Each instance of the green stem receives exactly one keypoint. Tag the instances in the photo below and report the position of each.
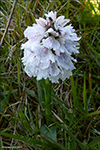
(47, 85)
(41, 96)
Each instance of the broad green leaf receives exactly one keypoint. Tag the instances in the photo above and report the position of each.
(50, 132)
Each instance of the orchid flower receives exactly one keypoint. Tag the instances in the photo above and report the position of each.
(48, 51)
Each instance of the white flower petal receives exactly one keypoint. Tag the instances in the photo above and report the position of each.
(60, 21)
(52, 15)
(42, 22)
(48, 42)
(55, 44)
(47, 53)
(53, 70)
(36, 32)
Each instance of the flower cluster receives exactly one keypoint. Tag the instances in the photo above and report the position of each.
(47, 53)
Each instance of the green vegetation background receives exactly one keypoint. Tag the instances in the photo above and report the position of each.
(76, 101)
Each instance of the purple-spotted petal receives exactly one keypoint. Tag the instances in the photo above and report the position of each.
(48, 42)
(47, 53)
(52, 15)
(42, 22)
(60, 21)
